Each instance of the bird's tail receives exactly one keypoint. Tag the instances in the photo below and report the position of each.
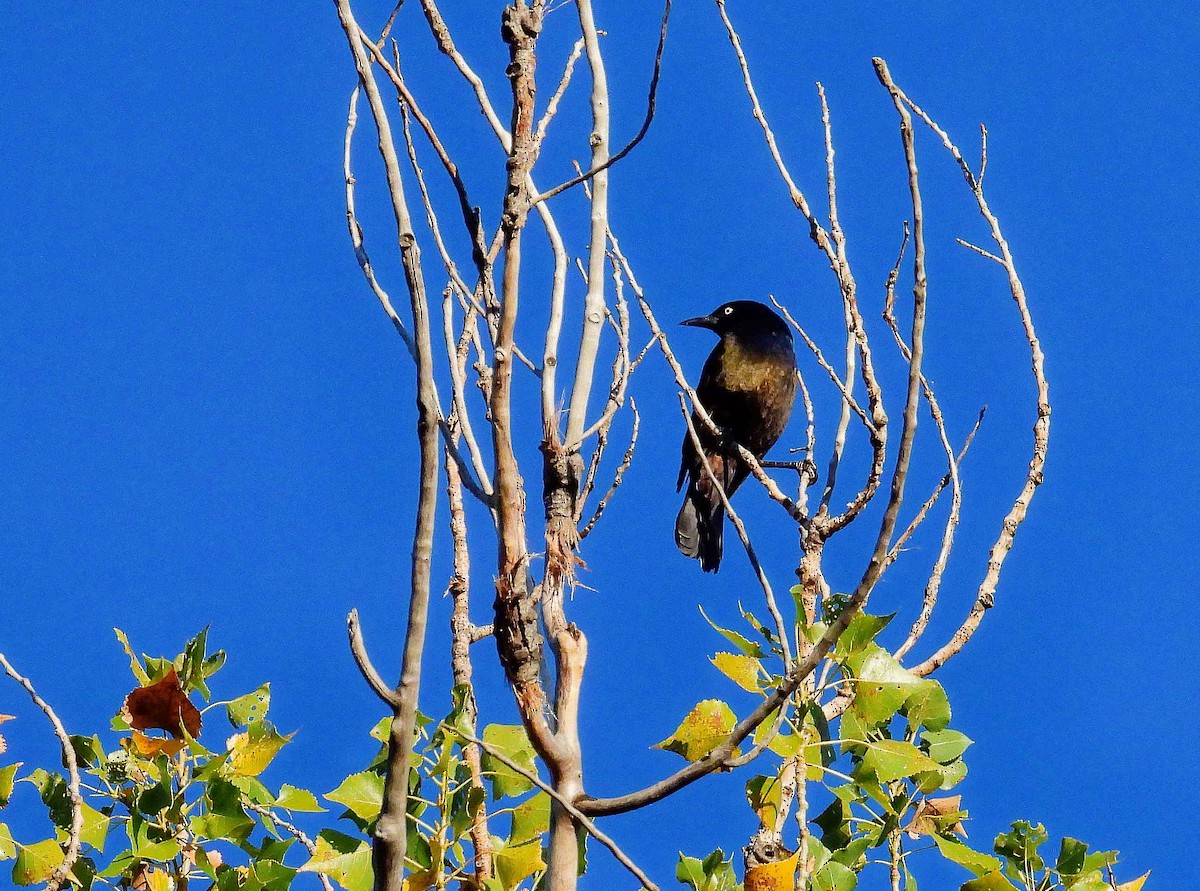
(699, 530)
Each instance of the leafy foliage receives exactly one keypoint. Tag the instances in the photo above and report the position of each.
(162, 810)
(881, 768)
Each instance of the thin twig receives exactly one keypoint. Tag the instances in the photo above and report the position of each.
(600, 167)
(985, 596)
(592, 829)
(664, 346)
(564, 82)
(768, 592)
(618, 475)
(358, 648)
(61, 872)
(299, 834)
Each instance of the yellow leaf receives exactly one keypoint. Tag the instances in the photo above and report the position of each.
(742, 670)
(779, 876)
(515, 863)
(252, 751)
(1135, 885)
(705, 727)
(152, 747)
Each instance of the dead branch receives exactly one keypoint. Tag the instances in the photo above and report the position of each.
(391, 837)
(566, 804)
(62, 872)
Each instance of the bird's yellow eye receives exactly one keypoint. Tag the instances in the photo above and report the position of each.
(729, 310)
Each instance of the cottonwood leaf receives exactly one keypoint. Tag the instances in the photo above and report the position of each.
(252, 751)
(966, 857)
(705, 727)
(1135, 885)
(945, 746)
(515, 863)
(163, 706)
(893, 759)
(36, 862)
(778, 876)
(530, 819)
(362, 793)
(741, 669)
(511, 741)
(345, 860)
(250, 708)
(292, 799)
(992, 881)
(833, 876)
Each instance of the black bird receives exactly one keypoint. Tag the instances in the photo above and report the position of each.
(747, 386)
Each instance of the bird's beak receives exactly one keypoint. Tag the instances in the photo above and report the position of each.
(701, 322)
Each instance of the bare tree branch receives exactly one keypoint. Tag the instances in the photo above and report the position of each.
(62, 872)
(985, 597)
(763, 581)
(651, 105)
(296, 832)
(391, 837)
(592, 829)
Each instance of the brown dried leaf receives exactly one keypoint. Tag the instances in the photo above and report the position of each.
(3, 743)
(163, 706)
(925, 820)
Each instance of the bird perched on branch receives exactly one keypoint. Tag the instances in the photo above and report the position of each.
(747, 387)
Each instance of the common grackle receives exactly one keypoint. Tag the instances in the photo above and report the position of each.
(747, 386)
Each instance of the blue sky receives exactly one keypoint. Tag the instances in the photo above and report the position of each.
(205, 417)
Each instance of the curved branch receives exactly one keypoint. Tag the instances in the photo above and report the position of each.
(651, 105)
(63, 871)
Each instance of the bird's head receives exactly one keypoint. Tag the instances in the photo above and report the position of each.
(742, 317)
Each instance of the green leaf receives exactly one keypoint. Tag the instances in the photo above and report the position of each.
(8, 777)
(713, 873)
(530, 819)
(511, 741)
(292, 799)
(861, 632)
(882, 685)
(250, 708)
(191, 667)
(95, 827)
(89, 751)
(250, 752)
(770, 636)
(8, 847)
(967, 858)
(893, 759)
(953, 774)
(834, 823)
(945, 746)
(741, 669)
(993, 881)
(135, 664)
(833, 876)
(1019, 846)
(1099, 860)
(765, 795)
(35, 863)
(345, 860)
(515, 863)
(928, 707)
(1071, 854)
(743, 644)
(705, 727)
(362, 793)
